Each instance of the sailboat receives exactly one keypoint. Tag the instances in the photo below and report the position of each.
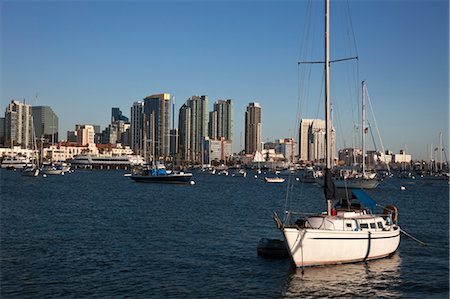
(33, 169)
(155, 172)
(441, 173)
(347, 232)
(360, 180)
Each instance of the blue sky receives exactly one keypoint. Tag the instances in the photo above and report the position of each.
(84, 57)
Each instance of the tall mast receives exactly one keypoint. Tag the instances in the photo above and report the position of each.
(173, 133)
(363, 129)
(440, 151)
(144, 129)
(328, 186)
(327, 85)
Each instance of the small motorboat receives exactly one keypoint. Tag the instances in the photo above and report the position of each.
(274, 180)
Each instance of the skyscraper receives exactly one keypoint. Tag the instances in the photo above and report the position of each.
(137, 124)
(85, 134)
(45, 123)
(253, 128)
(18, 124)
(221, 120)
(312, 140)
(184, 131)
(193, 127)
(157, 125)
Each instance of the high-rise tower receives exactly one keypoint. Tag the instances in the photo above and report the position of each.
(136, 128)
(18, 124)
(312, 140)
(45, 123)
(193, 127)
(253, 128)
(157, 125)
(221, 120)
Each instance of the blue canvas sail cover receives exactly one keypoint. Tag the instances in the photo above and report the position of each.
(364, 198)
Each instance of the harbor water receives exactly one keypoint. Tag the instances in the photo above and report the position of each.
(98, 234)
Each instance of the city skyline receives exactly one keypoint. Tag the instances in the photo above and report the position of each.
(245, 51)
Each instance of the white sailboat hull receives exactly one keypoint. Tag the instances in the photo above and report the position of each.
(51, 171)
(314, 247)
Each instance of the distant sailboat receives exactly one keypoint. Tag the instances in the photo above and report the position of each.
(441, 173)
(361, 180)
(33, 169)
(258, 159)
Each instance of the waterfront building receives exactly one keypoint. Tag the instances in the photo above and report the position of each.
(173, 143)
(85, 134)
(156, 126)
(64, 151)
(312, 141)
(349, 156)
(184, 131)
(46, 123)
(136, 127)
(193, 128)
(221, 120)
(271, 155)
(286, 147)
(376, 159)
(2, 130)
(218, 151)
(385, 158)
(116, 132)
(212, 125)
(402, 157)
(71, 136)
(18, 124)
(253, 128)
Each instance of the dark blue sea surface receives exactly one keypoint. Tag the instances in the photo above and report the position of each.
(98, 234)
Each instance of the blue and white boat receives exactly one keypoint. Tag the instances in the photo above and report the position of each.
(158, 174)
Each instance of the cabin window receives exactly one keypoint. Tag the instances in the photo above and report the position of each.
(372, 225)
(349, 225)
(364, 225)
(380, 225)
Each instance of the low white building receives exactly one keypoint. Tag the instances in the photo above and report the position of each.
(216, 150)
(286, 147)
(66, 151)
(402, 157)
(15, 151)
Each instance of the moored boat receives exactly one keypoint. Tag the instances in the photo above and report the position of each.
(105, 162)
(348, 231)
(51, 169)
(31, 171)
(356, 183)
(274, 180)
(158, 174)
(16, 162)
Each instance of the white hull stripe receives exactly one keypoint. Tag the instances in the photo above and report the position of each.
(364, 238)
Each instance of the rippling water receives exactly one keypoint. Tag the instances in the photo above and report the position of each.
(99, 234)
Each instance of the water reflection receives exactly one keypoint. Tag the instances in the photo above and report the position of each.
(378, 278)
